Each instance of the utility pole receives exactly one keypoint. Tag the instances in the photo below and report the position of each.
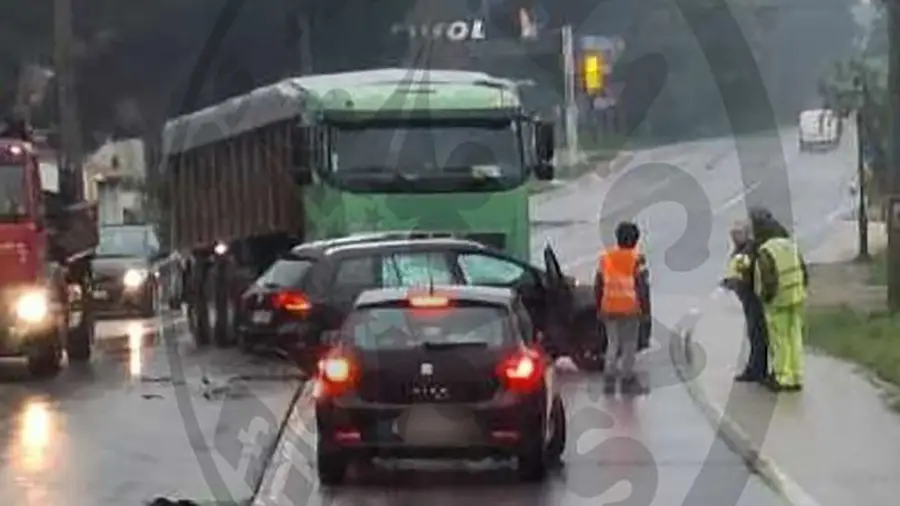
(570, 108)
(70, 131)
(862, 90)
(893, 225)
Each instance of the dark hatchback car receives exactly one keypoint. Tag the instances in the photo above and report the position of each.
(310, 290)
(131, 272)
(439, 372)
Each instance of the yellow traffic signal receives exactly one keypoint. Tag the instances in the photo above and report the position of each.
(594, 72)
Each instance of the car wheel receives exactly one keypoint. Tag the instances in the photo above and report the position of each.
(589, 345)
(532, 460)
(558, 438)
(44, 360)
(331, 467)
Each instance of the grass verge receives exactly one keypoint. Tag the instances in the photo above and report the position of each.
(870, 339)
(878, 274)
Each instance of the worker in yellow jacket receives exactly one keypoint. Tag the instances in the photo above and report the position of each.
(781, 280)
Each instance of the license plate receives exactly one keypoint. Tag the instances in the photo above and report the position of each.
(262, 317)
(428, 426)
(101, 294)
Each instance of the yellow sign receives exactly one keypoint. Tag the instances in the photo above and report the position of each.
(594, 72)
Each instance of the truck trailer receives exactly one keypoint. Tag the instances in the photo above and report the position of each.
(329, 155)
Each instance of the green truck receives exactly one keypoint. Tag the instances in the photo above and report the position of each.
(330, 155)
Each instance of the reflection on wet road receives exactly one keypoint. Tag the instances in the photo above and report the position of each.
(132, 424)
(152, 415)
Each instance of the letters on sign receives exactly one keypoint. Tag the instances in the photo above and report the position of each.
(454, 31)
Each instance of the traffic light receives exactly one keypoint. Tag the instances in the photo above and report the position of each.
(594, 72)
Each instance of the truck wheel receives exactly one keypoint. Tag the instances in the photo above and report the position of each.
(198, 322)
(44, 359)
(198, 306)
(223, 328)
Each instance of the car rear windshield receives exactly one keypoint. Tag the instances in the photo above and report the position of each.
(384, 328)
(285, 273)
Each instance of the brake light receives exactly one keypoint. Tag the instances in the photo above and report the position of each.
(292, 302)
(336, 376)
(336, 369)
(429, 301)
(522, 372)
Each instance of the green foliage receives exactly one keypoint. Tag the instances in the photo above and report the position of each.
(135, 57)
(869, 339)
(841, 88)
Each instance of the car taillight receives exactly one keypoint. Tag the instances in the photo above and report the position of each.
(336, 375)
(292, 302)
(523, 372)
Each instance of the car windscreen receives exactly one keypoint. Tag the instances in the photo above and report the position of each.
(285, 273)
(399, 327)
(127, 242)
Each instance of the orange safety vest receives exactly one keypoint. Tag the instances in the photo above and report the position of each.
(620, 297)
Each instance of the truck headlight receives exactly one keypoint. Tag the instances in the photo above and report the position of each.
(32, 307)
(134, 278)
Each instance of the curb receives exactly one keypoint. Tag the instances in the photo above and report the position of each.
(617, 163)
(731, 432)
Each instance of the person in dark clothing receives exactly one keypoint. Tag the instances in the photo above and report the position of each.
(739, 279)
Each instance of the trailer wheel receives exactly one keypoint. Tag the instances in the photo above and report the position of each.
(198, 304)
(223, 304)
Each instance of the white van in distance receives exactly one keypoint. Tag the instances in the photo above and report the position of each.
(819, 128)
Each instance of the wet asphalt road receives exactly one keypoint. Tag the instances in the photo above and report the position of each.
(152, 416)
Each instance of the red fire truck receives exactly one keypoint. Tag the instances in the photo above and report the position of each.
(47, 239)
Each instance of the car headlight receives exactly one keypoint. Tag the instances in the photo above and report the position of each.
(134, 278)
(32, 307)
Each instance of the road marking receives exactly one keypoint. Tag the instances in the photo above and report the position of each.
(737, 198)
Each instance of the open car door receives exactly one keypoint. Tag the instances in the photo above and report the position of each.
(559, 304)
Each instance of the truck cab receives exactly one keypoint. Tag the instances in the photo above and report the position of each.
(45, 246)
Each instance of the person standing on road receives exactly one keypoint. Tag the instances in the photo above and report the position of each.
(739, 279)
(622, 289)
(781, 280)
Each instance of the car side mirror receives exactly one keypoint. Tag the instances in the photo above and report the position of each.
(544, 171)
(544, 141)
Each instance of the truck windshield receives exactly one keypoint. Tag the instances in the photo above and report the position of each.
(477, 155)
(12, 193)
(138, 242)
